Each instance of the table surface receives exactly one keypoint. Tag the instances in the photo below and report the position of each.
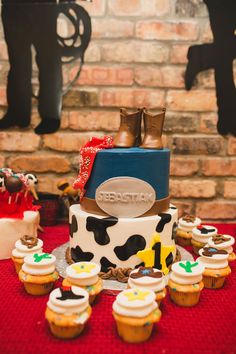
(209, 327)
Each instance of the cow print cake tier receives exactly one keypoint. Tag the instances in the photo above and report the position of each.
(125, 219)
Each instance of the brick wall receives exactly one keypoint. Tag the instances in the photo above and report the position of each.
(137, 57)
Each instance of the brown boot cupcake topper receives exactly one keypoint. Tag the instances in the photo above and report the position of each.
(189, 218)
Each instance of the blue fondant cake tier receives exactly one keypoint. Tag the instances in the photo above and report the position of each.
(151, 166)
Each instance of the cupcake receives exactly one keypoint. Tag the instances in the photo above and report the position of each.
(184, 229)
(135, 311)
(84, 275)
(24, 247)
(38, 273)
(148, 278)
(200, 236)
(67, 311)
(185, 283)
(216, 266)
(223, 242)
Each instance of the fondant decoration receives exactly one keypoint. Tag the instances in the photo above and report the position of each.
(218, 239)
(78, 255)
(73, 226)
(106, 264)
(39, 257)
(39, 29)
(169, 259)
(189, 218)
(125, 197)
(67, 190)
(153, 127)
(87, 156)
(186, 273)
(156, 255)
(136, 295)
(205, 230)
(29, 241)
(99, 228)
(174, 231)
(118, 234)
(188, 266)
(83, 267)
(211, 251)
(129, 133)
(67, 294)
(143, 164)
(146, 272)
(218, 55)
(165, 219)
(135, 303)
(39, 264)
(213, 259)
(131, 247)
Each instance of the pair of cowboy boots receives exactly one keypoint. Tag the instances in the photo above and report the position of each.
(129, 133)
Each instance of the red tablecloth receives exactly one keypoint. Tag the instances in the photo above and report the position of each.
(209, 327)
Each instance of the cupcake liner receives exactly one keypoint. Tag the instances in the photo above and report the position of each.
(38, 289)
(183, 298)
(212, 282)
(65, 332)
(183, 241)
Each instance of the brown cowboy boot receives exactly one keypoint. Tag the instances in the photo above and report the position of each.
(153, 126)
(129, 133)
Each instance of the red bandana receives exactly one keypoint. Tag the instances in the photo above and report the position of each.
(87, 156)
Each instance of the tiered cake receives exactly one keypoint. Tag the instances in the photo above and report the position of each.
(125, 217)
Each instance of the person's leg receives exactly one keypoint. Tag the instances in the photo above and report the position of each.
(223, 23)
(19, 76)
(48, 59)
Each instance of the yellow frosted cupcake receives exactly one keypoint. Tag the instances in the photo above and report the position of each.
(200, 236)
(68, 311)
(85, 275)
(216, 267)
(223, 242)
(135, 311)
(185, 283)
(38, 273)
(24, 247)
(148, 278)
(184, 229)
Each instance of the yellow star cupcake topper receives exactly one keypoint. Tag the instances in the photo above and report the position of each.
(83, 268)
(156, 254)
(136, 295)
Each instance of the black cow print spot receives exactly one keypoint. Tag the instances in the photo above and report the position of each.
(169, 259)
(173, 207)
(73, 226)
(79, 256)
(174, 230)
(165, 219)
(99, 228)
(105, 264)
(134, 244)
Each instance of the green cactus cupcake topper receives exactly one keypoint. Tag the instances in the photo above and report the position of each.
(188, 266)
(39, 257)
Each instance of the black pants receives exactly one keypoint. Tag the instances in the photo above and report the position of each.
(27, 25)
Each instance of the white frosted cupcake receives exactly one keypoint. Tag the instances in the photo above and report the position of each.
(24, 247)
(67, 311)
(38, 273)
(185, 283)
(223, 242)
(184, 229)
(84, 275)
(216, 266)
(148, 278)
(200, 236)
(135, 312)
